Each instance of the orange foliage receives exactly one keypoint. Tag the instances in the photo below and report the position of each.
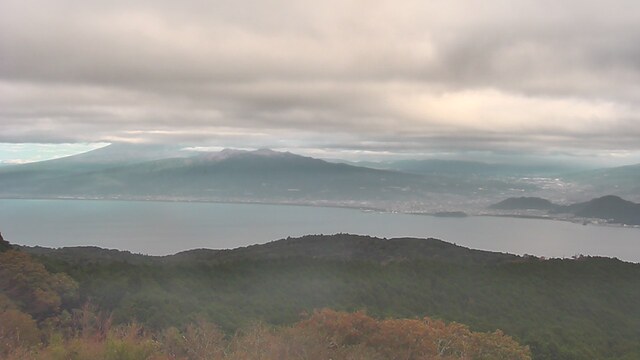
(326, 334)
(30, 286)
(17, 330)
(411, 339)
(341, 327)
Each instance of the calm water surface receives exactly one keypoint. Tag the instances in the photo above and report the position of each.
(167, 227)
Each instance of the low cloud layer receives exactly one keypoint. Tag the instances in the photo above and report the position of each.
(414, 76)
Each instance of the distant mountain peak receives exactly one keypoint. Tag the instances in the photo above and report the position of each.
(610, 199)
(228, 154)
(268, 152)
(232, 151)
(612, 208)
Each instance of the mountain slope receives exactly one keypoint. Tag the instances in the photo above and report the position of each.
(230, 175)
(622, 181)
(33, 178)
(466, 168)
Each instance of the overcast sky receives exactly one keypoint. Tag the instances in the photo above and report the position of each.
(332, 77)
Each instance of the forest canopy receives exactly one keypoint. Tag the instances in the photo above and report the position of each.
(580, 308)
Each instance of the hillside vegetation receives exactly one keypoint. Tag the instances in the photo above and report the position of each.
(583, 308)
(38, 320)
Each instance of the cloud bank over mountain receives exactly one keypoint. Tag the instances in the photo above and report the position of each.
(415, 76)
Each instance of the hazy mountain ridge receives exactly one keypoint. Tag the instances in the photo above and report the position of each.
(256, 174)
(35, 179)
(476, 168)
(610, 208)
(228, 175)
(112, 155)
(232, 172)
(155, 172)
(622, 181)
(469, 168)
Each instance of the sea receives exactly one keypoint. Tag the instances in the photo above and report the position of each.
(162, 228)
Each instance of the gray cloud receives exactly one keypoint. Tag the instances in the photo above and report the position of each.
(354, 75)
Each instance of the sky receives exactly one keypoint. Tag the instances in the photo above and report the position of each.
(343, 78)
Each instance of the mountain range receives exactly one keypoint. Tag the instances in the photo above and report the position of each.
(140, 172)
(467, 168)
(125, 171)
(611, 208)
(158, 172)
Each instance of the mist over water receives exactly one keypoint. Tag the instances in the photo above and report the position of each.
(161, 228)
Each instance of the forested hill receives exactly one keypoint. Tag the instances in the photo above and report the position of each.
(611, 208)
(348, 247)
(524, 203)
(583, 308)
(343, 247)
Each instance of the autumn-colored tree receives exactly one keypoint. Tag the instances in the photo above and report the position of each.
(31, 287)
(17, 330)
(404, 339)
(412, 339)
(497, 346)
(288, 343)
(341, 327)
(203, 340)
(326, 334)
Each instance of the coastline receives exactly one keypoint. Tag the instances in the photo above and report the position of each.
(364, 208)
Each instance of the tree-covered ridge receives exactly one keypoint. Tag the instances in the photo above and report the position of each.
(344, 247)
(40, 320)
(583, 308)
